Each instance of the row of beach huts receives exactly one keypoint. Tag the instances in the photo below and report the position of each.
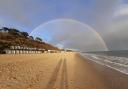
(27, 50)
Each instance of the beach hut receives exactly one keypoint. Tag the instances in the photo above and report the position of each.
(12, 47)
(8, 51)
(13, 51)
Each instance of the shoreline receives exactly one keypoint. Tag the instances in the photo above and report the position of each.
(104, 64)
(57, 70)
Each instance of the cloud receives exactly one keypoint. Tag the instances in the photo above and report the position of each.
(19, 11)
(108, 17)
(116, 37)
(121, 10)
(100, 16)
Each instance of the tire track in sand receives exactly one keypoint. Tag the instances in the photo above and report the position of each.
(53, 78)
(63, 76)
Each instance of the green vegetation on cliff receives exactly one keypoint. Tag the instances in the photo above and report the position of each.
(13, 37)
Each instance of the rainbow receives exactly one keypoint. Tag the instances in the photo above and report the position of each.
(74, 21)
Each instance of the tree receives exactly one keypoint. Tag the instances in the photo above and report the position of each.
(1, 30)
(14, 31)
(38, 39)
(31, 37)
(25, 34)
(5, 29)
(3, 46)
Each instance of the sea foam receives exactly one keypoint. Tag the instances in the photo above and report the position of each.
(117, 63)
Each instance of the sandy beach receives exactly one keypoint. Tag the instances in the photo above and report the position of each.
(57, 71)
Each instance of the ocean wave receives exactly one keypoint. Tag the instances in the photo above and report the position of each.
(117, 63)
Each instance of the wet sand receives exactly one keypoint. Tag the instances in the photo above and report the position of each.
(57, 71)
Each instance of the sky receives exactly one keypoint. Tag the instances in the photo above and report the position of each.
(85, 25)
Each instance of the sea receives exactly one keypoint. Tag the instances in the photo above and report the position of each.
(117, 60)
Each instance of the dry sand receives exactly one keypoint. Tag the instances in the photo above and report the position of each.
(57, 71)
